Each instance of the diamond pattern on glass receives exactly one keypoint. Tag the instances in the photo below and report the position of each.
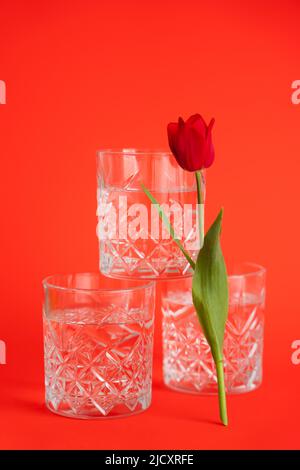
(188, 363)
(147, 256)
(95, 366)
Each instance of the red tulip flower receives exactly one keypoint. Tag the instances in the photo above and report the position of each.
(191, 142)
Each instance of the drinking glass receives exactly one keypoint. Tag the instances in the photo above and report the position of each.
(133, 241)
(98, 337)
(187, 361)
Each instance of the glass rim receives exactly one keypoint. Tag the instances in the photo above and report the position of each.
(144, 285)
(143, 152)
(256, 269)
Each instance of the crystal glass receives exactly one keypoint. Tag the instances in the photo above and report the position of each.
(98, 337)
(133, 241)
(187, 362)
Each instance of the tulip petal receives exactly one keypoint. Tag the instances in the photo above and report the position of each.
(180, 122)
(210, 126)
(194, 118)
(172, 130)
(200, 125)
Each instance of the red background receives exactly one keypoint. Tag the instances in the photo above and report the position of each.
(87, 74)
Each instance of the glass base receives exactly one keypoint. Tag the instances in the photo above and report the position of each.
(90, 411)
(209, 390)
(154, 268)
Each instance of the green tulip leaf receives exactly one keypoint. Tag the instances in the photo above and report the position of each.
(210, 288)
(210, 298)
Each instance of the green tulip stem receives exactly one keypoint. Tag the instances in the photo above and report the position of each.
(222, 392)
(200, 207)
